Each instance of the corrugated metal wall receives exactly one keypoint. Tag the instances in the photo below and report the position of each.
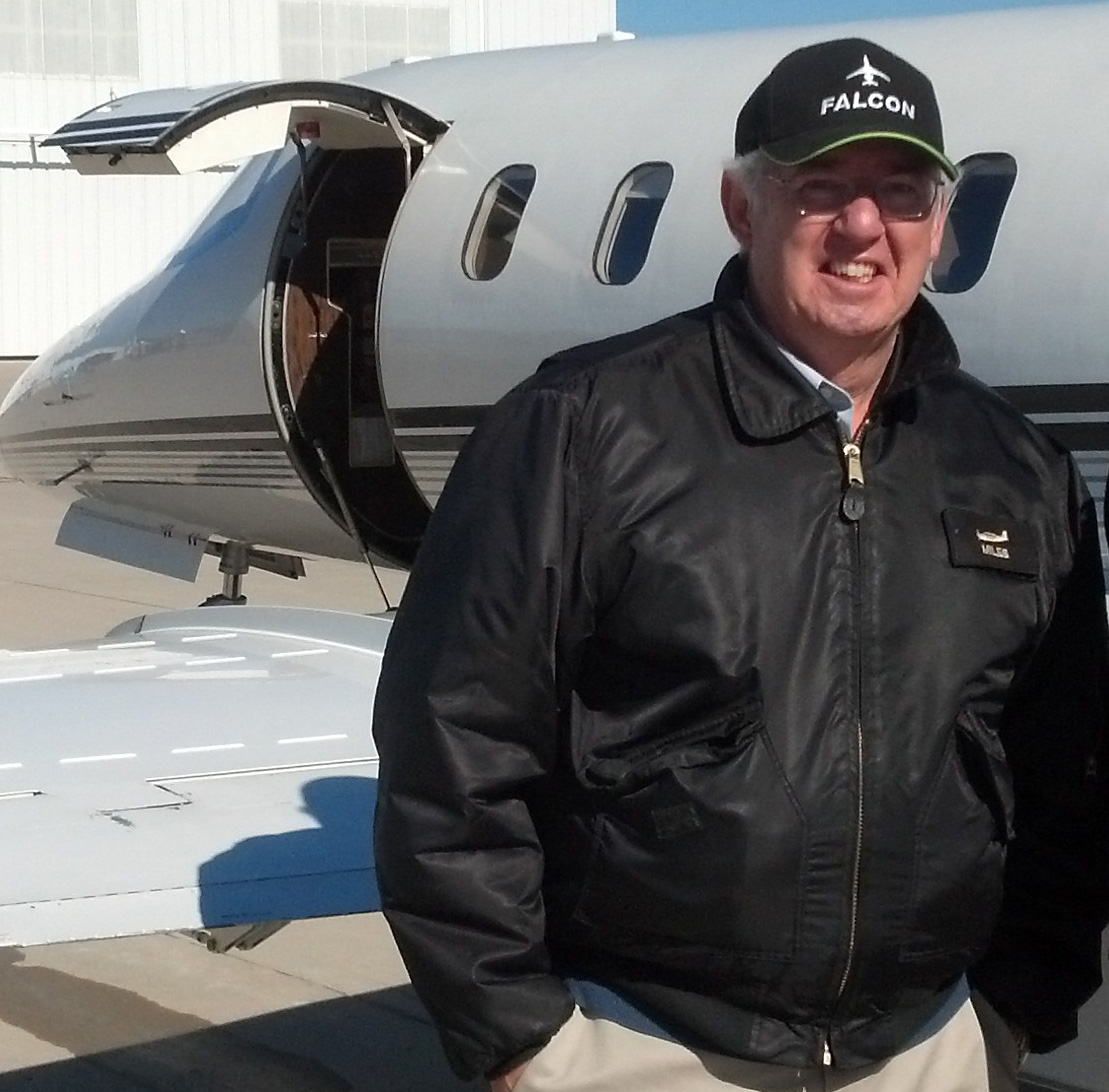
(70, 244)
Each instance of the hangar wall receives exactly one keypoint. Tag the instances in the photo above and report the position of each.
(70, 244)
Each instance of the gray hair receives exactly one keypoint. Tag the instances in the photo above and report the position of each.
(749, 169)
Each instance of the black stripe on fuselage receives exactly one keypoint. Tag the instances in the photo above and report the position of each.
(1061, 399)
(431, 443)
(1058, 397)
(159, 448)
(1079, 435)
(259, 425)
(438, 416)
(1054, 398)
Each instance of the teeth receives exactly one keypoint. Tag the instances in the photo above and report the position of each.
(856, 271)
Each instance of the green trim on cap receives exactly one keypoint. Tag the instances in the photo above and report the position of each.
(949, 168)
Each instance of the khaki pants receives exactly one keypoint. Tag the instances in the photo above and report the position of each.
(973, 1052)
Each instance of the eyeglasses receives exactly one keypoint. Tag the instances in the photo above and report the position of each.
(825, 196)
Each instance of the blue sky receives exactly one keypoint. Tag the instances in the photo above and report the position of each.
(647, 17)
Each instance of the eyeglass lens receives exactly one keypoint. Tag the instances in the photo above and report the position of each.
(898, 196)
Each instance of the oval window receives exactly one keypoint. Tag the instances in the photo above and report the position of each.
(492, 231)
(630, 223)
(981, 194)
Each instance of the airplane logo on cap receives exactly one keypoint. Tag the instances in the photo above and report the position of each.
(868, 72)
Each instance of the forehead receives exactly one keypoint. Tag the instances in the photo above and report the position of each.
(875, 156)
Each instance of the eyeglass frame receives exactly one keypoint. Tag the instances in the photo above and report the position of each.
(857, 189)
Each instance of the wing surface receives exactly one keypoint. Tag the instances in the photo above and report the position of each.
(192, 769)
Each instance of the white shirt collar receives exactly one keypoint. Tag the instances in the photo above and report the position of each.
(834, 395)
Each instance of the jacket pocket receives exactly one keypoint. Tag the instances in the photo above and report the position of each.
(704, 743)
(700, 843)
(959, 857)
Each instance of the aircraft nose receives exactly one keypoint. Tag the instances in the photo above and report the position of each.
(15, 382)
(31, 391)
(14, 388)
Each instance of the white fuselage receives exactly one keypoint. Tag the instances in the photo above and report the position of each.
(178, 398)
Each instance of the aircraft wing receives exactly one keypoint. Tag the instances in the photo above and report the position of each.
(192, 769)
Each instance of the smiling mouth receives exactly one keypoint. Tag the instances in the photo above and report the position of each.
(856, 272)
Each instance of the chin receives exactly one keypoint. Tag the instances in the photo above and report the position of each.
(861, 323)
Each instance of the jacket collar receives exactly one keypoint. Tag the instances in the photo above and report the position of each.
(767, 396)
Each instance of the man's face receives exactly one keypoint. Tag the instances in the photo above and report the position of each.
(829, 285)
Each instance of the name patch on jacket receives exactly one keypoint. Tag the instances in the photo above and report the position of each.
(990, 542)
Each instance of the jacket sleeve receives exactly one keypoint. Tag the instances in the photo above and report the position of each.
(1045, 958)
(465, 720)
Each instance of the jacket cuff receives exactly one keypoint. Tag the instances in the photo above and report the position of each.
(470, 1058)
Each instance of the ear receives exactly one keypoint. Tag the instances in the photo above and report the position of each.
(737, 207)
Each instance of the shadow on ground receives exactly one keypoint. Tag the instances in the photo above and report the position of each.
(367, 1043)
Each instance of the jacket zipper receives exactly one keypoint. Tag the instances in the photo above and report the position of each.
(853, 505)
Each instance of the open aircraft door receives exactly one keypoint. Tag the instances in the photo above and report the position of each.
(191, 129)
(342, 158)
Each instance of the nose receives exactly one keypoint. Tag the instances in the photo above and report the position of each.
(860, 219)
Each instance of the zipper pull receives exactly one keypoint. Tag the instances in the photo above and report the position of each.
(827, 1052)
(853, 504)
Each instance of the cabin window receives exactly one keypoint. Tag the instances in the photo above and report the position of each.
(981, 194)
(629, 225)
(492, 231)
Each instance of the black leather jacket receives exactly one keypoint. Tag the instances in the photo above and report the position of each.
(670, 703)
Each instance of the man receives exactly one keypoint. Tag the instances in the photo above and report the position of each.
(745, 707)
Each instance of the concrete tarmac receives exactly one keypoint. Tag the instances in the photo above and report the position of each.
(322, 1006)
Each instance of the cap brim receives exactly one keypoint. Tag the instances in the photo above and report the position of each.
(792, 153)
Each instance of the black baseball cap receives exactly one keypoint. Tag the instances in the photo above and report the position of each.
(833, 93)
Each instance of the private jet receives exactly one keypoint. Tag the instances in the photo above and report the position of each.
(395, 252)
